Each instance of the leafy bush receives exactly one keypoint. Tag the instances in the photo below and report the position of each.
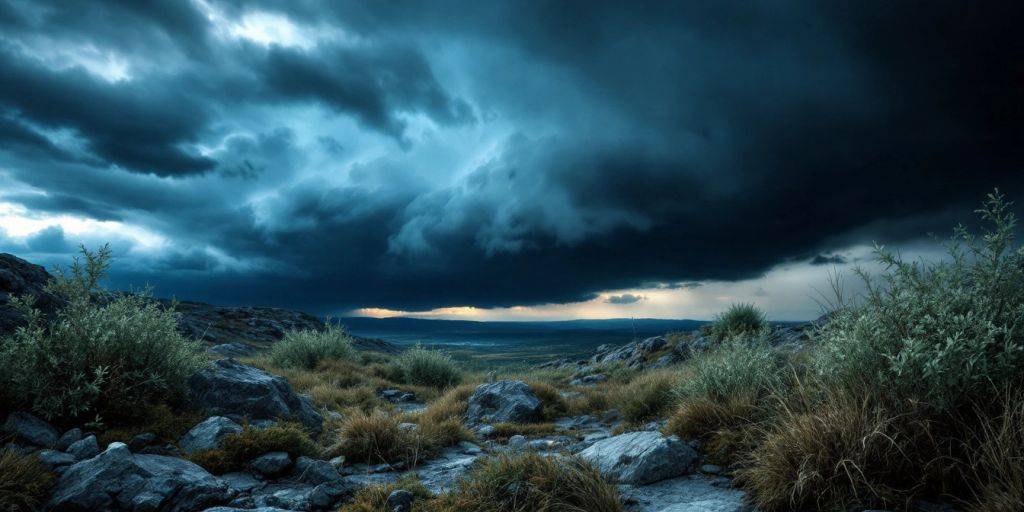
(24, 482)
(740, 320)
(101, 354)
(306, 348)
(425, 367)
(945, 332)
(236, 450)
(731, 369)
(514, 483)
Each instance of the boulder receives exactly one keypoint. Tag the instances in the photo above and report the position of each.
(510, 401)
(228, 387)
(20, 278)
(207, 435)
(69, 438)
(232, 349)
(53, 459)
(30, 429)
(271, 464)
(118, 480)
(399, 500)
(640, 457)
(316, 472)
(84, 449)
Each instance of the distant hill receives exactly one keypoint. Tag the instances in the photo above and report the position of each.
(422, 325)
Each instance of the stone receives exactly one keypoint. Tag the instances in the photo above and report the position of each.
(589, 380)
(710, 469)
(684, 494)
(141, 441)
(408, 427)
(84, 449)
(207, 435)
(271, 464)
(517, 442)
(640, 457)
(228, 387)
(241, 482)
(232, 349)
(258, 509)
(485, 431)
(69, 438)
(30, 429)
(53, 459)
(506, 401)
(118, 480)
(400, 500)
(440, 474)
(316, 472)
(20, 278)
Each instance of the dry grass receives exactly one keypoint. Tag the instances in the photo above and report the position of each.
(237, 450)
(376, 438)
(374, 498)
(647, 397)
(24, 482)
(503, 431)
(554, 406)
(723, 427)
(997, 462)
(451, 405)
(168, 423)
(531, 483)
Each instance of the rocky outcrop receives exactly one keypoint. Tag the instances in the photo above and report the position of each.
(26, 428)
(118, 480)
(506, 401)
(21, 278)
(640, 457)
(246, 325)
(207, 435)
(230, 388)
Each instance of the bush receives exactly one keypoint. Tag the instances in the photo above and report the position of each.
(946, 333)
(647, 397)
(740, 320)
(514, 483)
(101, 354)
(236, 450)
(306, 348)
(731, 369)
(425, 367)
(24, 482)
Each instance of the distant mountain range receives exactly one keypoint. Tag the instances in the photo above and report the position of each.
(423, 326)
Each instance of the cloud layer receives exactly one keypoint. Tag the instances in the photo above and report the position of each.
(417, 155)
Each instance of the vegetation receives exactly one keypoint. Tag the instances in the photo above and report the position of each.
(740, 320)
(647, 397)
(24, 482)
(101, 355)
(306, 348)
(375, 497)
(426, 367)
(236, 450)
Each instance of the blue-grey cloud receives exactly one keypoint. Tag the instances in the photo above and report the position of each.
(625, 298)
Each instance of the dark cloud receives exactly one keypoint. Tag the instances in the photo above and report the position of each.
(545, 151)
(49, 240)
(828, 259)
(625, 298)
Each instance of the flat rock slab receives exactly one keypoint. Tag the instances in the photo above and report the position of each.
(695, 493)
(640, 457)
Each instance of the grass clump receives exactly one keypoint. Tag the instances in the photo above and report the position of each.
(740, 320)
(306, 348)
(425, 367)
(648, 397)
(731, 369)
(515, 483)
(101, 354)
(24, 482)
(997, 462)
(377, 437)
(374, 498)
(236, 450)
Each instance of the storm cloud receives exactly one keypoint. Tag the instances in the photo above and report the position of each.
(416, 155)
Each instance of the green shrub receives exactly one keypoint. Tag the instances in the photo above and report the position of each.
(24, 482)
(515, 483)
(425, 367)
(102, 354)
(306, 348)
(944, 332)
(731, 369)
(740, 320)
(236, 450)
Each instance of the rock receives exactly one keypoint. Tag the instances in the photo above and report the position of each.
(589, 380)
(84, 449)
(506, 401)
(258, 509)
(337, 462)
(517, 442)
(228, 387)
(316, 472)
(241, 482)
(69, 438)
(441, 473)
(640, 457)
(652, 344)
(271, 464)
(232, 349)
(30, 429)
(118, 480)
(684, 494)
(400, 501)
(408, 427)
(485, 431)
(710, 469)
(207, 435)
(141, 441)
(54, 459)
(20, 278)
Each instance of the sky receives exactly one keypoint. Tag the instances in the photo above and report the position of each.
(509, 160)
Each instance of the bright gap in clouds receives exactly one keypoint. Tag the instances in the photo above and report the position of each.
(17, 223)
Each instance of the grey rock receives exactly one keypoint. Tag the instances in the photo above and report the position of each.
(589, 380)
(141, 441)
(271, 464)
(485, 431)
(118, 480)
(517, 442)
(69, 438)
(241, 482)
(30, 429)
(441, 473)
(84, 449)
(640, 457)
(228, 387)
(20, 278)
(684, 494)
(207, 434)
(509, 401)
(316, 472)
(408, 427)
(258, 509)
(53, 459)
(233, 349)
(400, 500)
(710, 469)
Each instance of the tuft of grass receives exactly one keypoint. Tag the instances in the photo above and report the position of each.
(517, 483)
(648, 397)
(376, 438)
(741, 320)
(306, 348)
(552, 403)
(426, 367)
(237, 450)
(997, 461)
(724, 427)
(24, 482)
(374, 498)
(503, 431)
(452, 405)
(733, 368)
